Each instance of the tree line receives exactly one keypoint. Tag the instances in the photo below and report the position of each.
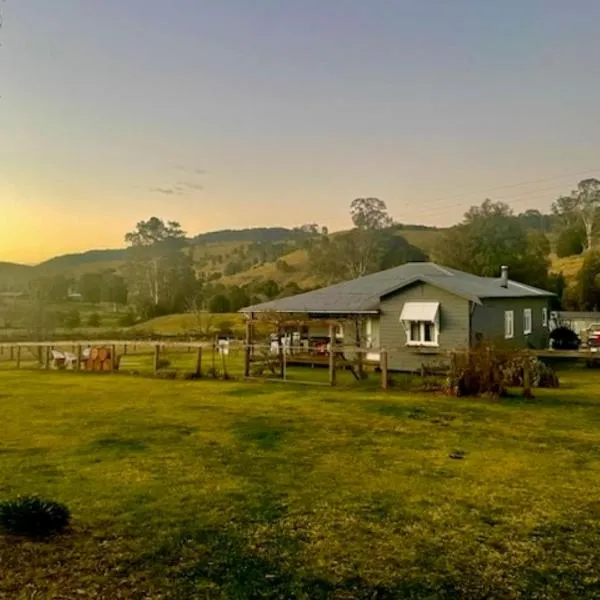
(162, 274)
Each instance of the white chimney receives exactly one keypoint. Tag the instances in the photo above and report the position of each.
(504, 276)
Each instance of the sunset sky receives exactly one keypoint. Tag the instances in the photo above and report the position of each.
(240, 113)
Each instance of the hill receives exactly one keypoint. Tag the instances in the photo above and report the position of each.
(231, 256)
(13, 276)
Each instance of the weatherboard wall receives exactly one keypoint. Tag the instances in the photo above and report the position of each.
(454, 327)
(488, 320)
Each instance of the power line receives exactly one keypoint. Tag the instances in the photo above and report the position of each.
(531, 194)
(439, 200)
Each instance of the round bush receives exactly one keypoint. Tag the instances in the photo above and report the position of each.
(564, 338)
(33, 517)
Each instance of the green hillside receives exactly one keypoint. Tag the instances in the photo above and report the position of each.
(233, 257)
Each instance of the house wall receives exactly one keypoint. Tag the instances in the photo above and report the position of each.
(488, 320)
(454, 327)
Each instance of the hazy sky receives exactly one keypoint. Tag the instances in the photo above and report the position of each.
(239, 113)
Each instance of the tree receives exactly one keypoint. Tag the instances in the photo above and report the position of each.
(114, 289)
(588, 282)
(357, 252)
(94, 320)
(491, 236)
(238, 298)
(535, 219)
(571, 241)
(219, 304)
(91, 287)
(581, 207)
(161, 276)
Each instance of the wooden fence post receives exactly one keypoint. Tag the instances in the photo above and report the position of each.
(78, 359)
(527, 379)
(12, 353)
(156, 357)
(113, 358)
(383, 358)
(332, 372)
(47, 357)
(124, 349)
(198, 371)
(247, 348)
(18, 357)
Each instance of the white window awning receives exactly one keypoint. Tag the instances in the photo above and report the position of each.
(420, 311)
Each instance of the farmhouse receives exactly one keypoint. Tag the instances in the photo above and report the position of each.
(420, 311)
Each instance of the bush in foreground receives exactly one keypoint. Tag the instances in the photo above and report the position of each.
(33, 517)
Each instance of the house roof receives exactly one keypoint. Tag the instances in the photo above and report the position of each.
(363, 295)
(566, 314)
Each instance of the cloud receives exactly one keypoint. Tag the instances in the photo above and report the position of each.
(190, 185)
(167, 191)
(192, 170)
(179, 189)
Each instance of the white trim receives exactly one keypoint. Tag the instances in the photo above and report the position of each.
(420, 311)
(527, 321)
(544, 317)
(509, 324)
(369, 332)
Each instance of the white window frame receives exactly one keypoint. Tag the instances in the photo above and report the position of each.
(421, 341)
(509, 324)
(527, 321)
(544, 317)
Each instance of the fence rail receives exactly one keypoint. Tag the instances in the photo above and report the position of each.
(216, 358)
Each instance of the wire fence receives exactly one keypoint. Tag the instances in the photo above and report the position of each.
(219, 359)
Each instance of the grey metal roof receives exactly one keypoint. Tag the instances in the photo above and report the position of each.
(363, 295)
(567, 314)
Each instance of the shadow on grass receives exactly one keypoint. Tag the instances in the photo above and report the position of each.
(264, 433)
(116, 446)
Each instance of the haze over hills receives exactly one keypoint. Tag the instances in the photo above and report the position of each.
(212, 252)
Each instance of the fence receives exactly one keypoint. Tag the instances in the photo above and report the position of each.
(219, 359)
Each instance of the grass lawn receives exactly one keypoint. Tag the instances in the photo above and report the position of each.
(210, 489)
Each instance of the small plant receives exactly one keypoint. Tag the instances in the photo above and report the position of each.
(94, 320)
(33, 517)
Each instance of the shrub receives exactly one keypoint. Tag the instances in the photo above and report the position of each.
(94, 320)
(570, 242)
(564, 338)
(34, 517)
(127, 319)
(540, 374)
(489, 371)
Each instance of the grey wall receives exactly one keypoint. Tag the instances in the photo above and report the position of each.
(454, 326)
(488, 319)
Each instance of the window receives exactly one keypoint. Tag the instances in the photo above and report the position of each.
(544, 317)
(527, 321)
(509, 324)
(422, 333)
(421, 322)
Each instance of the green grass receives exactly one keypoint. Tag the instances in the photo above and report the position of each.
(182, 323)
(239, 490)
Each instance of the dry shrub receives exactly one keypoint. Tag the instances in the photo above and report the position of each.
(540, 374)
(489, 370)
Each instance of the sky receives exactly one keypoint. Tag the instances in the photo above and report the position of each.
(241, 113)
